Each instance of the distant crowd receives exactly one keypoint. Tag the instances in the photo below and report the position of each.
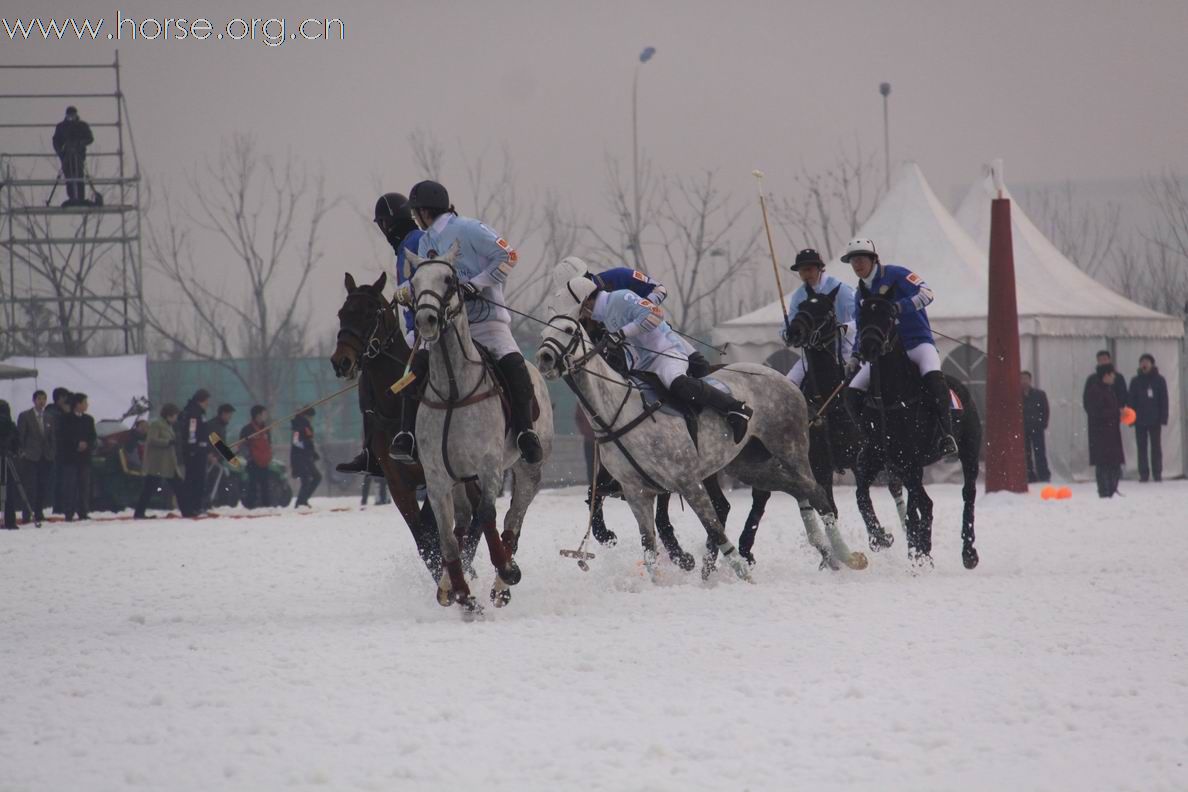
(46, 457)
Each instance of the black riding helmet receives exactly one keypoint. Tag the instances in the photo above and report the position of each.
(807, 256)
(429, 195)
(394, 217)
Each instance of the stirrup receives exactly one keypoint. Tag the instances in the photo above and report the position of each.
(739, 420)
(529, 444)
(403, 452)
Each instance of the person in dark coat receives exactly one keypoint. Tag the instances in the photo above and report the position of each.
(160, 460)
(1104, 358)
(72, 135)
(10, 448)
(1105, 430)
(215, 470)
(80, 440)
(60, 409)
(258, 450)
(1148, 399)
(1035, 423)
(303, 457)
(192, 437)
(38, 448)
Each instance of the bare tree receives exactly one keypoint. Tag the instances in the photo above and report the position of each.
(625, 242)
(704, 248)
(1086, 235)
(427, 153)
(1153, 269)
(831, 204)
(267, 215)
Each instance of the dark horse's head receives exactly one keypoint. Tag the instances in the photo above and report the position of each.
(876, 318)
(360, 321)
(815, 324)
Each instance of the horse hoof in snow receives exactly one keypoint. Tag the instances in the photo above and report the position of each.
(921, 562)
(969, 556)
(445, 597)
(511, 574)
(857, 560)
(500, 597)
(684, 560)
(828, 562)
(880, 540)
(471, 608)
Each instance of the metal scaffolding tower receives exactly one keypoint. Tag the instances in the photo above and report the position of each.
(72, 280)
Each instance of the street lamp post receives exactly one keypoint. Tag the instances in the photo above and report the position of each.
(885, 90)
(644, 57)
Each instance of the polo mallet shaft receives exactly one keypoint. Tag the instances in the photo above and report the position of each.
(408, 378)
(227, 451)
(775, 268)
(845, 382)
(580, 554)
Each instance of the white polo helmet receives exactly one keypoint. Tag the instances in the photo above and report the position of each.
(575, 292)
(860, 247)
(570, 267)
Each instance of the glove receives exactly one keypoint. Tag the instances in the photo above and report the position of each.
(470, 291)
(784, 336)
(617, 338)
(404, 296)
(896, 309)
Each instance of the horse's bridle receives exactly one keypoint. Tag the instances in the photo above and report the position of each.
(821, 334)
(885, 339)
(446, 308)
(369, 345)
(565, 360)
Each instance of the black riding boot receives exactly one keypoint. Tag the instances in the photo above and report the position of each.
(364, 462)
(404, 444)
(695, 392)
(519, 383)
(938, 389)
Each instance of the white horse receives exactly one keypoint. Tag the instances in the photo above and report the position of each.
(461, 433)
(651, 452)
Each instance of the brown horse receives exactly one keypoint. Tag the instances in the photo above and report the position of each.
(371, 346)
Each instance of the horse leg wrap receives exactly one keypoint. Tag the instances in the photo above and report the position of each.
(510, 541)
(495, 546)
(457, 578)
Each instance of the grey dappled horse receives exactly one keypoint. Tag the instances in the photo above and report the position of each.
(462, 436)
(650, 452)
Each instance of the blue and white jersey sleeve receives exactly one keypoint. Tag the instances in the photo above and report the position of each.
(914, 294)
(620, 278)
(497, 258)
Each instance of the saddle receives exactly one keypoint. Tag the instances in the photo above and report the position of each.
(655, 396)
(491, 364)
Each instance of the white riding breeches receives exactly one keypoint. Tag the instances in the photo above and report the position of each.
(796, 373)
(495, 336)
(926, 357)
(668, 368)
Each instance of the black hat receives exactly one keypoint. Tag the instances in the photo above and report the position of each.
(429, 195)
(391, 205)
(807, 256)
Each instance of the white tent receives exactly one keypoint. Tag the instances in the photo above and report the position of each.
(1061, 311)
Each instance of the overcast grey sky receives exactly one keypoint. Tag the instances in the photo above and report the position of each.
(1092, 89)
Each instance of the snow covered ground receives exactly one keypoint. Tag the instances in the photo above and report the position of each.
(307, 652)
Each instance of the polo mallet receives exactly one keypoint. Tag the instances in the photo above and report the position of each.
(227, 452)
(403, 295)
(775, 268)
(580, 554)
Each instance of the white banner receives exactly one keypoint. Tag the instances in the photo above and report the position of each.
(109, 382)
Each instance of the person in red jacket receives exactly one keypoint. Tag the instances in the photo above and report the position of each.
(258, 451)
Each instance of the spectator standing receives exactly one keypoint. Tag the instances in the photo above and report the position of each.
(216, 466)
(160, 460)
(1035, 423)
(221, 423)
(1104, 358)
(259, 458)
(1148, 399)
(80, 439)
(72, 135)
(193, 439)
(1105, 430)
(9, 450)
(303, 457)
(35, 429)
(59, 410)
